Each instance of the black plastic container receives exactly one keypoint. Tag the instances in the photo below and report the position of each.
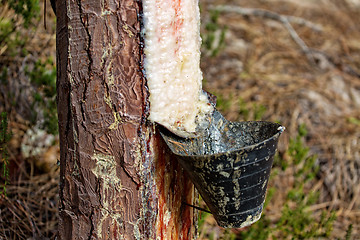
(230, 165)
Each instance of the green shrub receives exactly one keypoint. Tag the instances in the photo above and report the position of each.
(354, 120)
(28, 9)
(5, 137)
(11, 37)
(223, 103)
(43, 77)
(254, 111)
(214, 35)
(349, 232)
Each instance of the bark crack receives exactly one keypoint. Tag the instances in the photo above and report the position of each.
(92, 227)
(85, 22)
(129, 175)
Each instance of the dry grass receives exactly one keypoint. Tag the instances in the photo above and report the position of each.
(30, 209)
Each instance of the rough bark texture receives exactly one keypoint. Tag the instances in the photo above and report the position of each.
(118, 180)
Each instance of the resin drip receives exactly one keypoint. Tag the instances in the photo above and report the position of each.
(172, 64)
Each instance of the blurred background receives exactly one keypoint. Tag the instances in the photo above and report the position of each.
(296, 62)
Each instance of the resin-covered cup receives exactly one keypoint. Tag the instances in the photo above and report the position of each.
(230, 165)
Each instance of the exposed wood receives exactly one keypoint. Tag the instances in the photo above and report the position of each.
(118, 180)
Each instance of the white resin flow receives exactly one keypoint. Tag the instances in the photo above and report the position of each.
(172, 64)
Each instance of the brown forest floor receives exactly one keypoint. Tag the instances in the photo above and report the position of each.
(259, 64)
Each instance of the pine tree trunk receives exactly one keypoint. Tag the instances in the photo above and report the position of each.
(118, 179)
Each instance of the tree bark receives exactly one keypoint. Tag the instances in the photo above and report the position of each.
(118, 179)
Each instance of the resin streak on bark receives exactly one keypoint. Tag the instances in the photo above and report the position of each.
(175, 220)
(115, 179)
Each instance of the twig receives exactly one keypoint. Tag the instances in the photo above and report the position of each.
(304, 22)
(29, 216)
(354, 200)
(285, 20)
(196, 207)
(268, 14)
(313, 208)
